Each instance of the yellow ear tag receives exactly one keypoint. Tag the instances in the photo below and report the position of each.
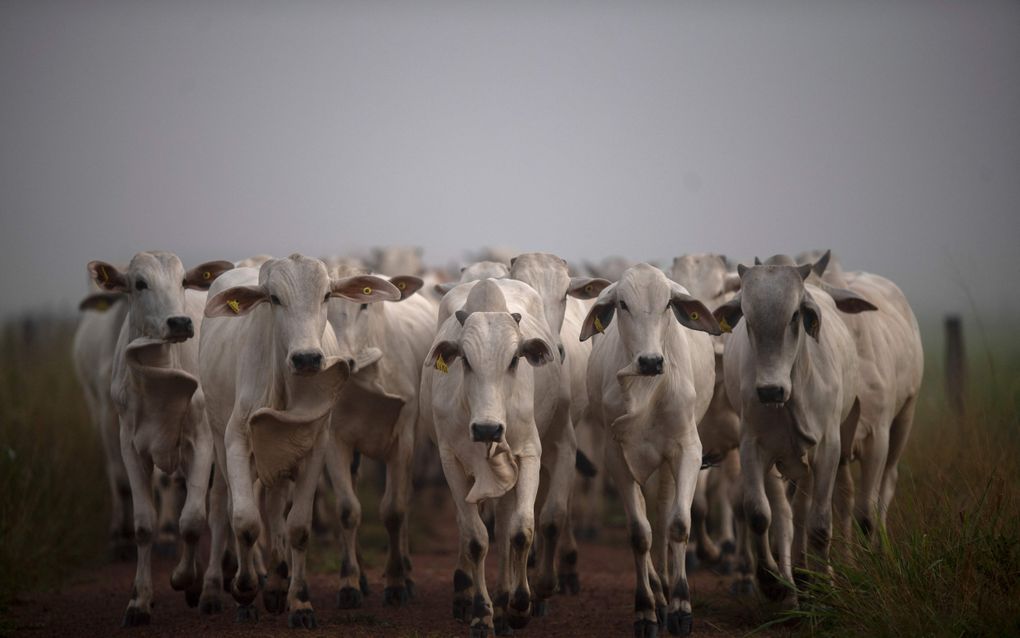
(101, 306)
(366, 290)
(726, 327)
(236, 307)
(694, 316)
(207, 275)
(441, 365)
(102, 271)
(402, 285)
(599, 326)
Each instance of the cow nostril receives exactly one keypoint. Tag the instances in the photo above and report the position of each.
(563, 353)
(180, 325)
(771, 394)
(650, 364)
(305, 361)
(351, 363)
(486, 432)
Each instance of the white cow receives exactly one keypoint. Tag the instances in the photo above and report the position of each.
(95, 343)
(650, 382)
(160, 405)
(564, 303)
(792, 372)
(273, 370)
(376, 415)
(892, 364)
(490, 415)
(474, 272)
(708, 278)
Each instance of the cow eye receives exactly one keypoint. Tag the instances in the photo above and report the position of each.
(513, 362)
(623, 305)
(273, 299)
(140, 284)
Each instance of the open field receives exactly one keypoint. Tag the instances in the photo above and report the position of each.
(950, 564)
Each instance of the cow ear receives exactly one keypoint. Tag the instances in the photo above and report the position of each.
(691, 313)
(445, 287)
(741, 268)
(100, 301)
(462, 316)
(600, 315)
(586, 287)
(811, 316)
(201, 276)
(728, 315)
(442, 355)
(804, 270)
(364, 289)
(823, 262)
(516, 317)
(407, 285)
(848, 301)
(107, 277)
(234, 302)
(536, 351)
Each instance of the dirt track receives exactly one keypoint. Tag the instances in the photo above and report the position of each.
(92, 604)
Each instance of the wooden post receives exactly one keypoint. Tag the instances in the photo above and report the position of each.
(956, 365)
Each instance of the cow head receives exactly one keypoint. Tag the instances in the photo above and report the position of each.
(549, 276)
(779, 310)
(488, 350)
(297, 290)
(706, 277)
(644, 301)
(154, 283)
(351, 320)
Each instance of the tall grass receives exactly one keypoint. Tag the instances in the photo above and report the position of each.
(949, 562)
(53, 494)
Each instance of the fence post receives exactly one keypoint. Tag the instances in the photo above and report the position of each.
(956, 372)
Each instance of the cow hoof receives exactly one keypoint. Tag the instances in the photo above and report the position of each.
(136, 617)
(244, 590)
(742, 587)
(412, 589)
(349, 598)
(395, 596)
(192, 596)
(646, 629)
(540, 608)
(679, 623)
(478, 630)
(363, 584)
(517, 619)
(570, 584)
(210, 605)
(501, 626)
(275, 600)
(462, 609)
(247, 614)
(302, 619)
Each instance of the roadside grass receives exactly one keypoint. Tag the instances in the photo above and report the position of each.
(53, 494)
(949, 562)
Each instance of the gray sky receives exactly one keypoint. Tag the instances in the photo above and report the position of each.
(889, 131)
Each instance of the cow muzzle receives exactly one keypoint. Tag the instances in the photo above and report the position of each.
(650, 365)
(307, 362)
(486, 432)
(772, 395)
(179, 329)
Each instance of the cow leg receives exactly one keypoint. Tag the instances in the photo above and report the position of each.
(197, 466)
(569, 583)
(521, 534)
(899, 432)
(474, 545)
(506, 575)
(799, 493)
(299, 530)
(819, 522)
(168, 504)
(873, 463)
(707, 550)
(842, 504)
(758, 514)
(645, 621)
(560, 458)
(782, 524)
(121, 522)
(394, 510)
(339, 457)
(274, 591)
(244, 519)
(684, 472)
(210, 601)
(139, 471)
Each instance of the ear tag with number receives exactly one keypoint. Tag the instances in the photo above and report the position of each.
(598, 325)
(236, 307)
(725, 326)
(441, 365)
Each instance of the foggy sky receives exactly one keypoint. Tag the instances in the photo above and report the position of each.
(889, 131)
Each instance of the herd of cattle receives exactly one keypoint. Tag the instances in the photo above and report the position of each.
(745, 394)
